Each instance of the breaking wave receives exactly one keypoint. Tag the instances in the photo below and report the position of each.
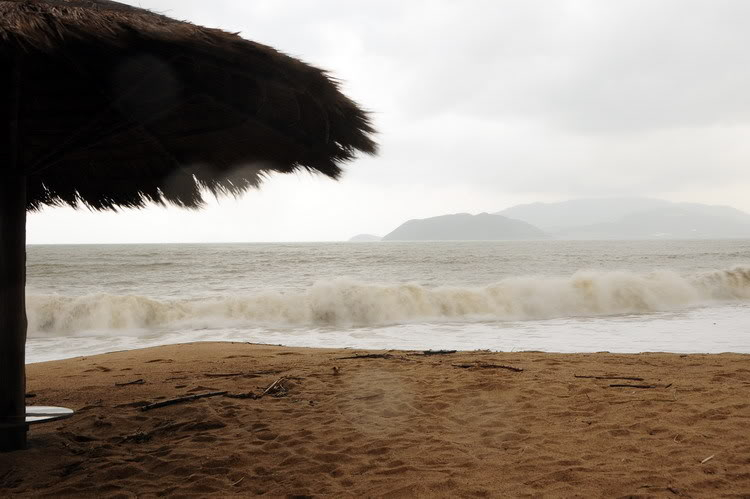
(344, 302)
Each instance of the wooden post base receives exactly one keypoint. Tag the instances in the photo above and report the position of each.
(13, 438)
(12, 312)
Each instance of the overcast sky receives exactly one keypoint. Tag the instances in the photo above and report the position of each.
(480, 105)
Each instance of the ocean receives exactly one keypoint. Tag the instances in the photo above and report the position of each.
(558, 296)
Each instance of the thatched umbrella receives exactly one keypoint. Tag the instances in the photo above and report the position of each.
(105, 105)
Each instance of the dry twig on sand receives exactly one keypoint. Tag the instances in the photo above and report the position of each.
(222, 375)
(617, 385)
(629, 378)
(136, 382)
(630, 401)
(179, 400)
(368, 356)
(488, 366)
(275, 388)
(248, 395)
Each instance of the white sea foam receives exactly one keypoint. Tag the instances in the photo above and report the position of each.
(345, 302)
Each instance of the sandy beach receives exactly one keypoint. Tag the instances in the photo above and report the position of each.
(356, 423)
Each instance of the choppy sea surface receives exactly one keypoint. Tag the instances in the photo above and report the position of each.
(561, 296)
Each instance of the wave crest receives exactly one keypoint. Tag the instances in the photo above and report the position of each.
(344, 302)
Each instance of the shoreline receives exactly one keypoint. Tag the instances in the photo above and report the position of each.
(399, 351)
(403, 350)
(393, 423)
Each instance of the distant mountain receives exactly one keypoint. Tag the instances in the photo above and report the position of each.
(633, 218)
(614, 218)
(680, 221)
(365, 238)
(465, 227)
(553, 217)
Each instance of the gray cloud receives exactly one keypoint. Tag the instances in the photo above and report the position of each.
(514, 98)
(590, 66)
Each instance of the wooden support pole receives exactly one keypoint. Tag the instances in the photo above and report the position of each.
(12, 312)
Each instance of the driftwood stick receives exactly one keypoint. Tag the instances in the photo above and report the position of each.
(368, 356)
(222, 375)
(248, 395)
(136, 382)
(629, 378)
(631, 386)
(438, 352)
(179, 400)
(640, 400)
(500, 366)
(488, 366)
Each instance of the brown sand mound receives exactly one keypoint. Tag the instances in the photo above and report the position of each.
(400, 424)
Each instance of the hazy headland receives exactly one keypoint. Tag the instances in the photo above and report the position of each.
(584, 219)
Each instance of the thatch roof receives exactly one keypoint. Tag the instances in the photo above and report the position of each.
(113, 106)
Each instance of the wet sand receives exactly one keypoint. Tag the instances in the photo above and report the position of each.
(400, 424)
